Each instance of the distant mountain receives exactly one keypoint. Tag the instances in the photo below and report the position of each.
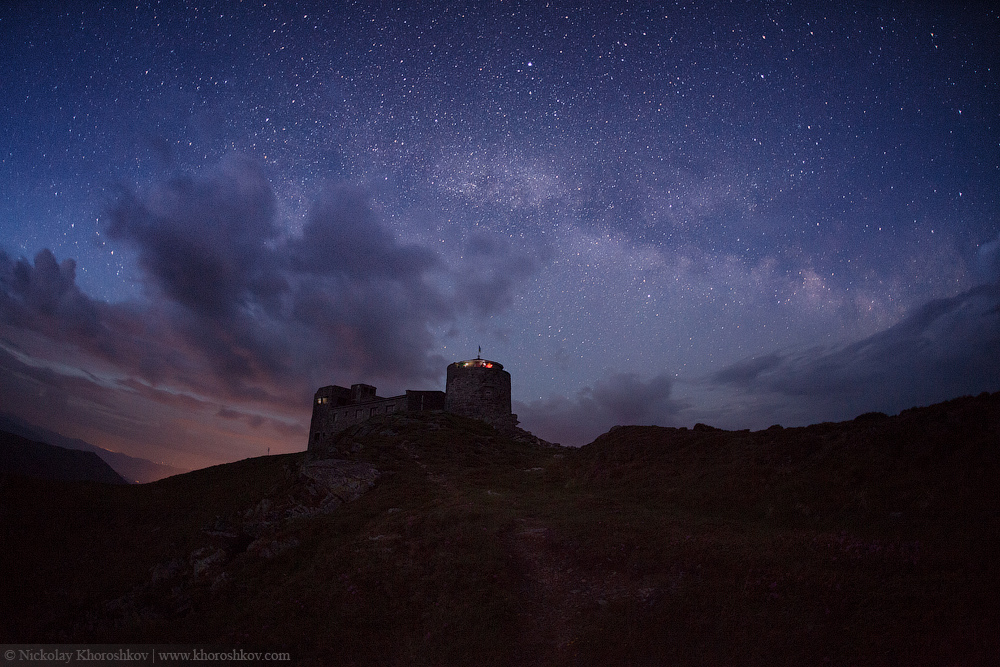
(430, 539)
(20, 456)
(131, 468)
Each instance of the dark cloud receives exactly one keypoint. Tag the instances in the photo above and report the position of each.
(490, 274)
(204, 241)
(45, 296)
(344, 236)
(131, 417)
(28, 390)
(370, 329)
(946, 348)
(240, 310)
(744, 373)
(256, 421)
(988, 259)
(622, 398)
(44, 300)
(344, 298)
(368, 299)
(628, 400)
(42, 393)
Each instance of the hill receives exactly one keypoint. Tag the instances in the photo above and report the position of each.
(20, 456)
(131, 468)
(431, 539)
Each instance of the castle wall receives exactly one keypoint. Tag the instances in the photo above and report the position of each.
(476, 388)
(334, 408)
(418, 401)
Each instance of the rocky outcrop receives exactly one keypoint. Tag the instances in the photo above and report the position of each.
(529, 438)
(322, 486)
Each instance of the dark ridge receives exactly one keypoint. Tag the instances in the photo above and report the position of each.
(20, 456)
(133, 469)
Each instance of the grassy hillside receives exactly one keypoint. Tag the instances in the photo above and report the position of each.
(865, 542)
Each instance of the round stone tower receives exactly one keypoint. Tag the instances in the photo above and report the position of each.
(480, 389)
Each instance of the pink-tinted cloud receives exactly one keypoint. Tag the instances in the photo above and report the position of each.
(240, 318)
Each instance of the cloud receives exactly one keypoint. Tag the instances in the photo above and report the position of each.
(988, 259)
(44, 296)
(239, 312)
(343, 236)
(745, 372)
(127, 416)
(621, 398)
(343, 298)
(204, 241)
(487, 280)
(367, 299)
(945, 348)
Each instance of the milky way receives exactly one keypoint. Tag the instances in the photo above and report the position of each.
(737, 214)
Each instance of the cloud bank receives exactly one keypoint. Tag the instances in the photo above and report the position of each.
(242, 317)
(943, 349)
(619, 398)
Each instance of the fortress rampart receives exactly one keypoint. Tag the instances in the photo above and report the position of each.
(476, 388)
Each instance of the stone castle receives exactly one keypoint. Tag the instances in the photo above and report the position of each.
(476, 388)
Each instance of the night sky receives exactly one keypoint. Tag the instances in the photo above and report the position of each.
(732, 213)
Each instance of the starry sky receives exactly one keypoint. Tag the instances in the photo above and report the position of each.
(736, 213)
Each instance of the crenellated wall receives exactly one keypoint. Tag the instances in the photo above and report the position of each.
(335, 408)
(476, 388)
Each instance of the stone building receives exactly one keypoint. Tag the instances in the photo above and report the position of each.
(335, 408)
(476, 388)
(480, 389)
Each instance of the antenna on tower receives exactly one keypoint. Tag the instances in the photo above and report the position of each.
(480, 355)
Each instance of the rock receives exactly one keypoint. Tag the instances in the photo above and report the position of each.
(340, 479)
(268, 548)
(200, 563)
